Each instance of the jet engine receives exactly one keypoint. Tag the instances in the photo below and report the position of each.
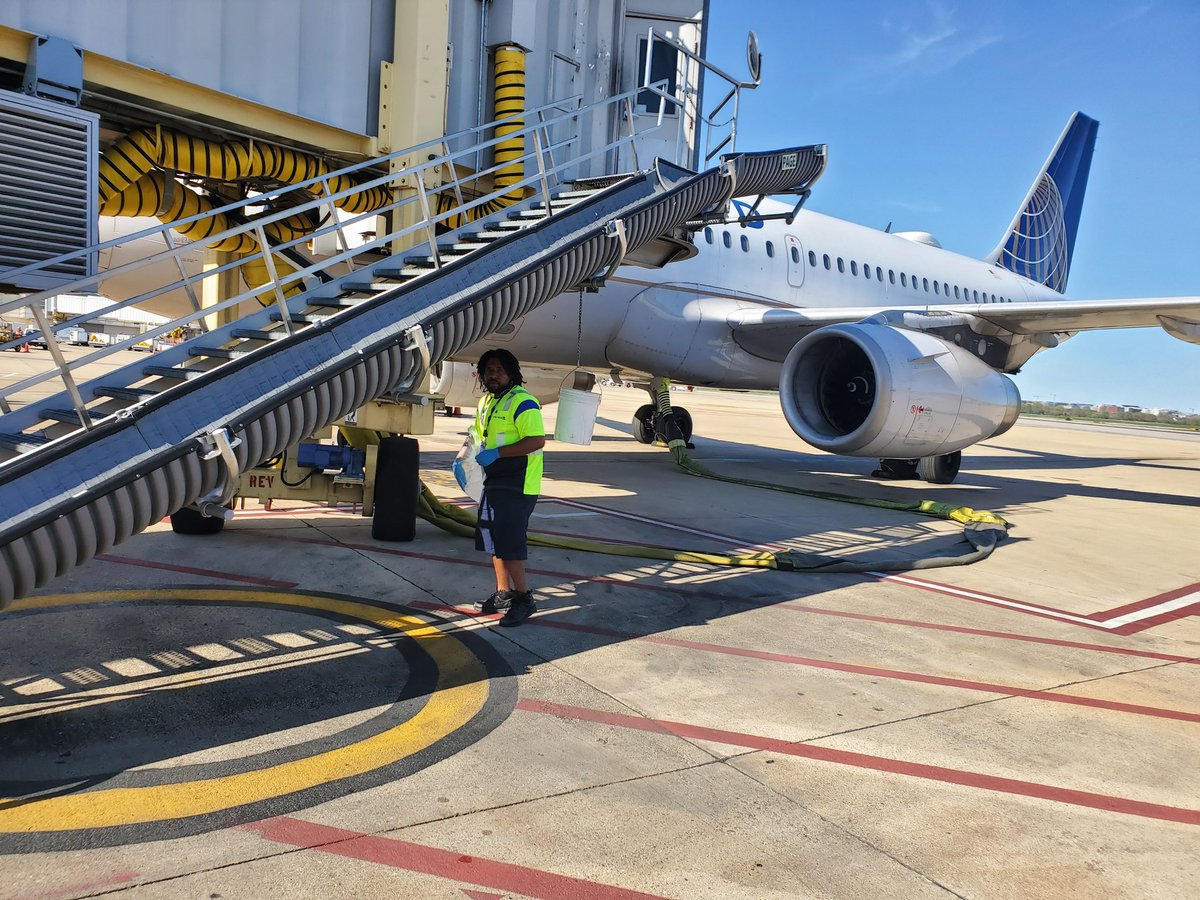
(873, 390)
(458, 383)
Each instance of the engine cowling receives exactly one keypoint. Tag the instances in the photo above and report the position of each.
(458, 384)
(874, 390)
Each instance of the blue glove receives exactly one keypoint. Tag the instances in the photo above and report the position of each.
(486, 457)
(460, 474)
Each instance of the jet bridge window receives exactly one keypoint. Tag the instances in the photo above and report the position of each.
(725, 240)
(770, 250)
(664, 66)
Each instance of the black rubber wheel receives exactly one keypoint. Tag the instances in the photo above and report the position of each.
(896, 469)
(683, 419)
(397, 488)
(643, 424)
(190, 521)
(941, 469)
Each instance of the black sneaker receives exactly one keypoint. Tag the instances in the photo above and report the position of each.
(521, 608)
(498, 602)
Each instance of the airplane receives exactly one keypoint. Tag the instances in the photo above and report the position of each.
(880, 345)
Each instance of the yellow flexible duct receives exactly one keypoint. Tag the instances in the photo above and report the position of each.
(156, 195)
(509, 67)
(140, 152)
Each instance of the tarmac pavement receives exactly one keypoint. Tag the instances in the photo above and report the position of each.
(292, 709)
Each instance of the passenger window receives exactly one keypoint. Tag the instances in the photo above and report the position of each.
(826, 258)
(812, 259)
(745, 244)
(725, 239)
(891, 276)
(708, 235)
(976, 295)
(935, 287)
(925, 282)
(770, 250)
(795, 255)
(879, 273)
(853, 267)
(903, 280)
(841, 266)
(993, 298)
(956, 297)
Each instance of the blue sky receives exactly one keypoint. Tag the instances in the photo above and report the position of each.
(938, 115)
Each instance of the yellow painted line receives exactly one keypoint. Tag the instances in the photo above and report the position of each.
(460, 692)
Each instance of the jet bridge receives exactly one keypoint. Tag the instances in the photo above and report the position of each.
(87, 460)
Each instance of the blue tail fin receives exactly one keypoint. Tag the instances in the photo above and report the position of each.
(1041, 239)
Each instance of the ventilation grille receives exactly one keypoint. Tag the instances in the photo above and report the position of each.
(47, 190)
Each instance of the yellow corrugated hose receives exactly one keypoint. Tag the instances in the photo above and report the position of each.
(509, 67)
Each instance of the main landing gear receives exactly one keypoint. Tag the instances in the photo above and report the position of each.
(934, 469)
(658, 420)
(647, 427)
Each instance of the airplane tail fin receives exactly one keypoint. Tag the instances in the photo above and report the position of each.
(1041, 238)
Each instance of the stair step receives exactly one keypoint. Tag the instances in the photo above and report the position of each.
(219, 352)
(65, 415)
(124, 393)
(23, 443)
(180, 374)
(300, 318)
(255, 334)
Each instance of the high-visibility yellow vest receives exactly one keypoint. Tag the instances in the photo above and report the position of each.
(501, 422)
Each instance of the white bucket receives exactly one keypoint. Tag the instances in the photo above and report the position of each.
(576, 416)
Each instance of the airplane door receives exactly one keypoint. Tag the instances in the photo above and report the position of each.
(674, 73)
(795, 260)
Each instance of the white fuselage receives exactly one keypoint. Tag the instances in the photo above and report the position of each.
(815, 262)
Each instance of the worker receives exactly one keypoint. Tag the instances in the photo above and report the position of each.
(508, 428)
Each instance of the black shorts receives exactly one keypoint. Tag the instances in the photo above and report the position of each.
(504, 523)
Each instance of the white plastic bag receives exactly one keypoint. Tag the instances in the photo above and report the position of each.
(472, 469)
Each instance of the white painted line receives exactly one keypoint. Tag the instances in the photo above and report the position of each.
(1157, 610)
(997, 601)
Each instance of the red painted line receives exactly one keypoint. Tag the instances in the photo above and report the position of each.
(1161, 619)
(962, 777)
(435, 861)
(754, 602)
(108, 881)
(876, 672)
(1003, 635)
(1149, 601)
(189, 570)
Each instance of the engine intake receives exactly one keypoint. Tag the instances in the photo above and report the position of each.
(875, 390)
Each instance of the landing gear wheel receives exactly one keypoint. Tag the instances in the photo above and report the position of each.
(683, 419)
(941, 469)
(643, 424)
(896, 469)
(191, 521)
(397, 489)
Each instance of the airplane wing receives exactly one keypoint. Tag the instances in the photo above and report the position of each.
(772, 331)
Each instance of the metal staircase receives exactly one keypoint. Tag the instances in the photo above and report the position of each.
(88, 466)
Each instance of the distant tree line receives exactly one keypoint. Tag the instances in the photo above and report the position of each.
(1108, 414)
